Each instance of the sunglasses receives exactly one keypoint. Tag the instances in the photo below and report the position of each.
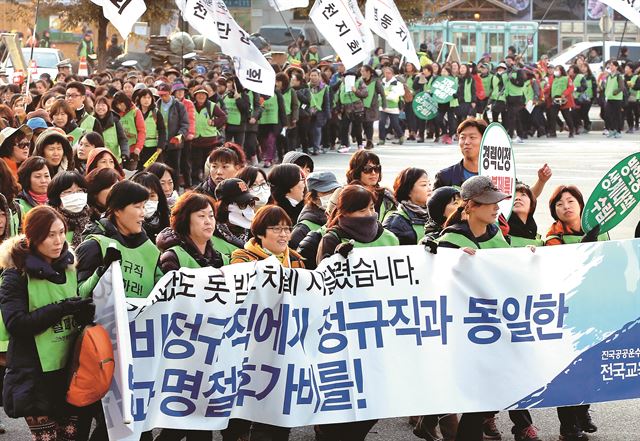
(372, 169)
(23, 144)
(251, 203)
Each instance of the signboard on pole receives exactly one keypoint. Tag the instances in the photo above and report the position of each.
(498, 162)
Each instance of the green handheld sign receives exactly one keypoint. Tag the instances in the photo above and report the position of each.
(424, 106)
(443, 89)
(614, 197)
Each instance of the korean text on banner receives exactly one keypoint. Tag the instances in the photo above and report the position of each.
(497, 161)
(346, 342)
(253, 69)
(285, 5)
(342, 24)
(201, 15)
(122, 14)
(384, 19)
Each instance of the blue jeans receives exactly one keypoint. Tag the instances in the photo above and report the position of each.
(395, 125)
(316, 133)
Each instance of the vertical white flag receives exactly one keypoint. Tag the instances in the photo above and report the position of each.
(285, 5)
(627, 8)
(122, 14)
(201, 15)
(253, 70)
(385, 20)
(342, 24)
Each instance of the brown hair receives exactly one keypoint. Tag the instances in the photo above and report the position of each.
(30, 165)
(557, 195)
(478, 123)
(358, 161)
(62, 106)
(185, 206)
(352, 198)
(268, 216)
(229, 153)
(405, 181)
(9, 187)
(37, 224)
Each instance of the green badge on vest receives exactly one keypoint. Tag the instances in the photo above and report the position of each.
(443, 89)
(614, 197)
(425, 106)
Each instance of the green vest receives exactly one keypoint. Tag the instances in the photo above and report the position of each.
(510, 88)
(223, 247)
(4, 335)
(487, 84)
(611, 85)
(13, 222)
(386, 239)
(497, 94)
(270, 113)
(634, 79)
(138, 265)
(395, 103)
(76, 134)
(462, 241)
(110, 137)
(54, 345)
(455, 102)
(69, 236)
(203, 129)
(347, 96)
(569, 239)
(528, 90)
(234, 117)
(186, 261)
(311, 225)
(371, 93)
(576, 83)
(559, 85)
(419, 229)
(85, 48)
(467, 90)
(313, 57)
(317, 98)
(286, 97)
(520, 242)
(151, 127)
(128, 121)
(87, 122)
(24, 207)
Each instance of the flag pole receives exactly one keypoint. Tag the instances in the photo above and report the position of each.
(35, 25)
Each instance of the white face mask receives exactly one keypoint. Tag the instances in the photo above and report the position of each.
(292, 201)
(556, 73)
(171, 200)
(150, 208)
(241, 218)
(263, 196)
(324, 201)
(74, 202)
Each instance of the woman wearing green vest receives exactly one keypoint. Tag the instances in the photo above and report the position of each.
(613, 93)
(121, 227)
(155, 131)
(132, 122)
(523, 229)
(234, 212)
(291, 115)
(466, 97)
(632, 106)
(270, 125)
(67, 194)
(566, 205)
(63, 117)
(210, 122)
(562, 100)
(408, 77)
(319, 109)
(350, 107)
(9, 189)
(43, 315)
(187, 243)
(113, 134)
(365, 169)
(34, 178)
(422, 83)
(320, 188)
(585, 92)
(372, 102)
(412, 190)
(53, 146)
(446, 119)
(236, 102)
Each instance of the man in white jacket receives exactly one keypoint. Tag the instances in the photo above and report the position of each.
(393, 91)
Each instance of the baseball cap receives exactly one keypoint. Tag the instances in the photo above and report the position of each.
(481, 189)
(322, 182)
(233, 190)
(178, 86)
(163, 89)
(37, 123)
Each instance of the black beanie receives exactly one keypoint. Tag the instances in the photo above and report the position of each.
(438, 202)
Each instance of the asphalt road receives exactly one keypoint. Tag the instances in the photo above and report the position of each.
(581, 161)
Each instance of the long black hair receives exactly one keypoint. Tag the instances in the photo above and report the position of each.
(152, 183)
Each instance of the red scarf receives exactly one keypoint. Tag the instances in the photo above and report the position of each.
(40, 199)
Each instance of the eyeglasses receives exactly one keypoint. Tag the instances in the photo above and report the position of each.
(372, 169)
(23, 144)
(251, 203)
(257, 188)
(72, 95)
(280, 229)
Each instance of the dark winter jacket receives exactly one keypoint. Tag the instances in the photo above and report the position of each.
(452, 176)
(27, 390)
(169, 260)
(312, 213)
(177, 122)
(403, 227)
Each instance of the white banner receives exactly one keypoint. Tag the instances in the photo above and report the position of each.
(385, 20)
(389, 332)
(122, 14)
(285, 5)
(342, 24)
(627, 8)
(201, 15)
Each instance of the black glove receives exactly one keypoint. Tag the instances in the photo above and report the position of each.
(74, 305)
(430, 245)
(86, 314)
(112, 255)
(591, 236)
(344, 249)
